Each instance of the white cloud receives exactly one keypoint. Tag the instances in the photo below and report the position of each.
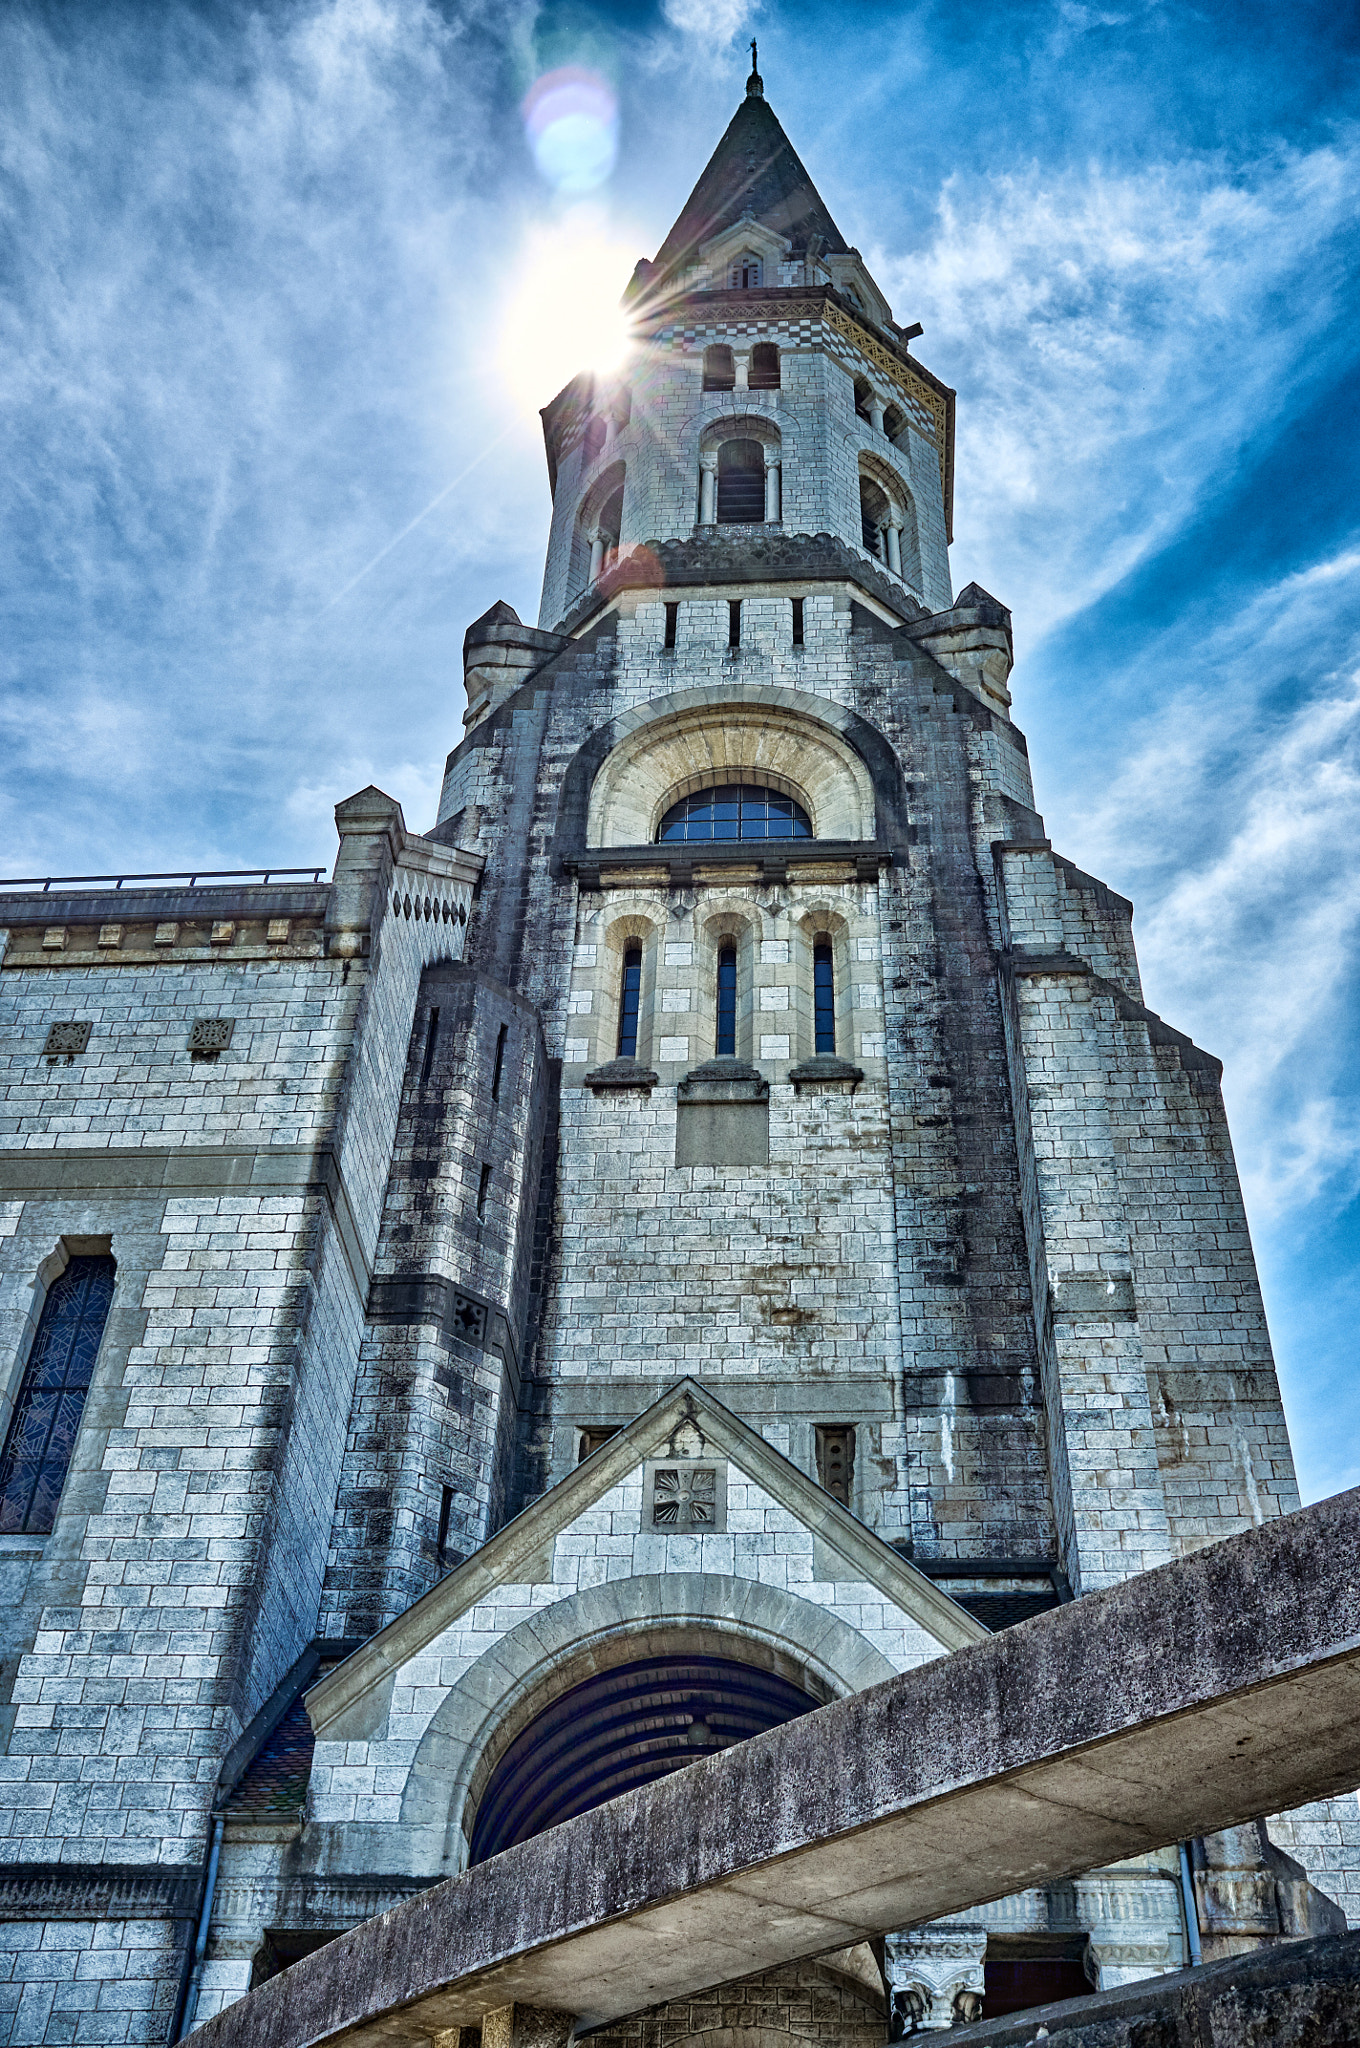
(1233, 817)
(715, 21)
(1116, 336)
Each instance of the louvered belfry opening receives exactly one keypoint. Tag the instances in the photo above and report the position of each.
(741, 483)
(623, 1728)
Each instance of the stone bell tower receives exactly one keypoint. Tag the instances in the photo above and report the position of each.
(711, 1225)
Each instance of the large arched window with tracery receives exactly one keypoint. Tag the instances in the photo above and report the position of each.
(736, 810)
(51, 1399)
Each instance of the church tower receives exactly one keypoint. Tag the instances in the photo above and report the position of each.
(709, 1225)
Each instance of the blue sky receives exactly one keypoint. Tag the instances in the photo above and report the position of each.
(259, 268)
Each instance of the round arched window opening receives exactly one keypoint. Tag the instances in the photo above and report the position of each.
(622, 1728)
(736, 810)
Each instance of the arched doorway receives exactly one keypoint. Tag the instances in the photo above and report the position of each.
(621, 1728)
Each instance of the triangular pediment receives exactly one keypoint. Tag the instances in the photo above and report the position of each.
(688, 1421)
(754, 171)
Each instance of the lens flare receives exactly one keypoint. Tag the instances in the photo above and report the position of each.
(571, 118)
(563, 314)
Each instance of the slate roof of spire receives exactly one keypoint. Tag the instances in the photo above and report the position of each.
(755, 169)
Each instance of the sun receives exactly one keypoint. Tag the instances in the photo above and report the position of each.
(562, 315)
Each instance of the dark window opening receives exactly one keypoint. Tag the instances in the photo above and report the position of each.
(611, 526)
(862, 396)
(431, 1040)
(727, 1003)
(499, 1067)
(836, 1460)
(720, 372)
(629, 1002)
(284, 1946)
(672, 615)
(1015, 1983)
(894, 421)
(873, 515)
(736, 810)
(592, 1439)
(824, 997)
(745, 274)
(593, 440)
(623, 410)
(42, 1435)
(445, 1513)
(798, 622)
(763, 373)
(483, 1189)
(741, 483)
(734, 623)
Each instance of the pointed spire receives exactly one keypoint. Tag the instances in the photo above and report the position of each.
(753, 173)
(755, 84)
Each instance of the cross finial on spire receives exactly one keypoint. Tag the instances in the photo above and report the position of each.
(755, 84)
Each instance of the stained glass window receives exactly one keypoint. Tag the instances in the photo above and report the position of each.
(630, 1000)
(824, 998)
(736, 811)
(56, 1380)
(727, 1003)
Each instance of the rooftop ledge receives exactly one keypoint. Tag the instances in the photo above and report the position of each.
(687, 863)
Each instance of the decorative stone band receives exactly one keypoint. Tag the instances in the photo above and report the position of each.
(99, 1891)
(734, 555)
(683, 864)
(460, 1315)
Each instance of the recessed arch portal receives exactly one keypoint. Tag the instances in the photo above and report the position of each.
(625, 1727)
(733, 743)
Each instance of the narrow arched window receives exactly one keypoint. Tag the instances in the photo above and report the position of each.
(763, 372)
(823, 997)
(56, 1380)
(745, 274)
(629, 1001)
(622, 409)
(720, 370)
(595, 436)
(726, 1045)
(741, 483)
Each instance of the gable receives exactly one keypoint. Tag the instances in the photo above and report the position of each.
(772, 1524)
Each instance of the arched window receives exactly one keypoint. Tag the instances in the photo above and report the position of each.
(611, 524)
(873, 514)
(595, 436)
(720, 371)
(725, 1044)
(624, 1727)
(823, 997)
(630, 999)
(737, 810)
(741, 483)
(622, 409)
(56, 1380)
(745, 274)
(763, 373)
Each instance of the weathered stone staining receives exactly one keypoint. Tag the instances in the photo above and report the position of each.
(712, 1223)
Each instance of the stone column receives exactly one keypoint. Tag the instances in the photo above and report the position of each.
(513, 2026)
(935, 1977)
(708, 487)
(876, 411)
(596, 555)
(772, 512)
(892, 533)
(741, 363)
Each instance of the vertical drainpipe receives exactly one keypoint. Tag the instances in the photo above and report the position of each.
(1189, 1908)
(204, 1922)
